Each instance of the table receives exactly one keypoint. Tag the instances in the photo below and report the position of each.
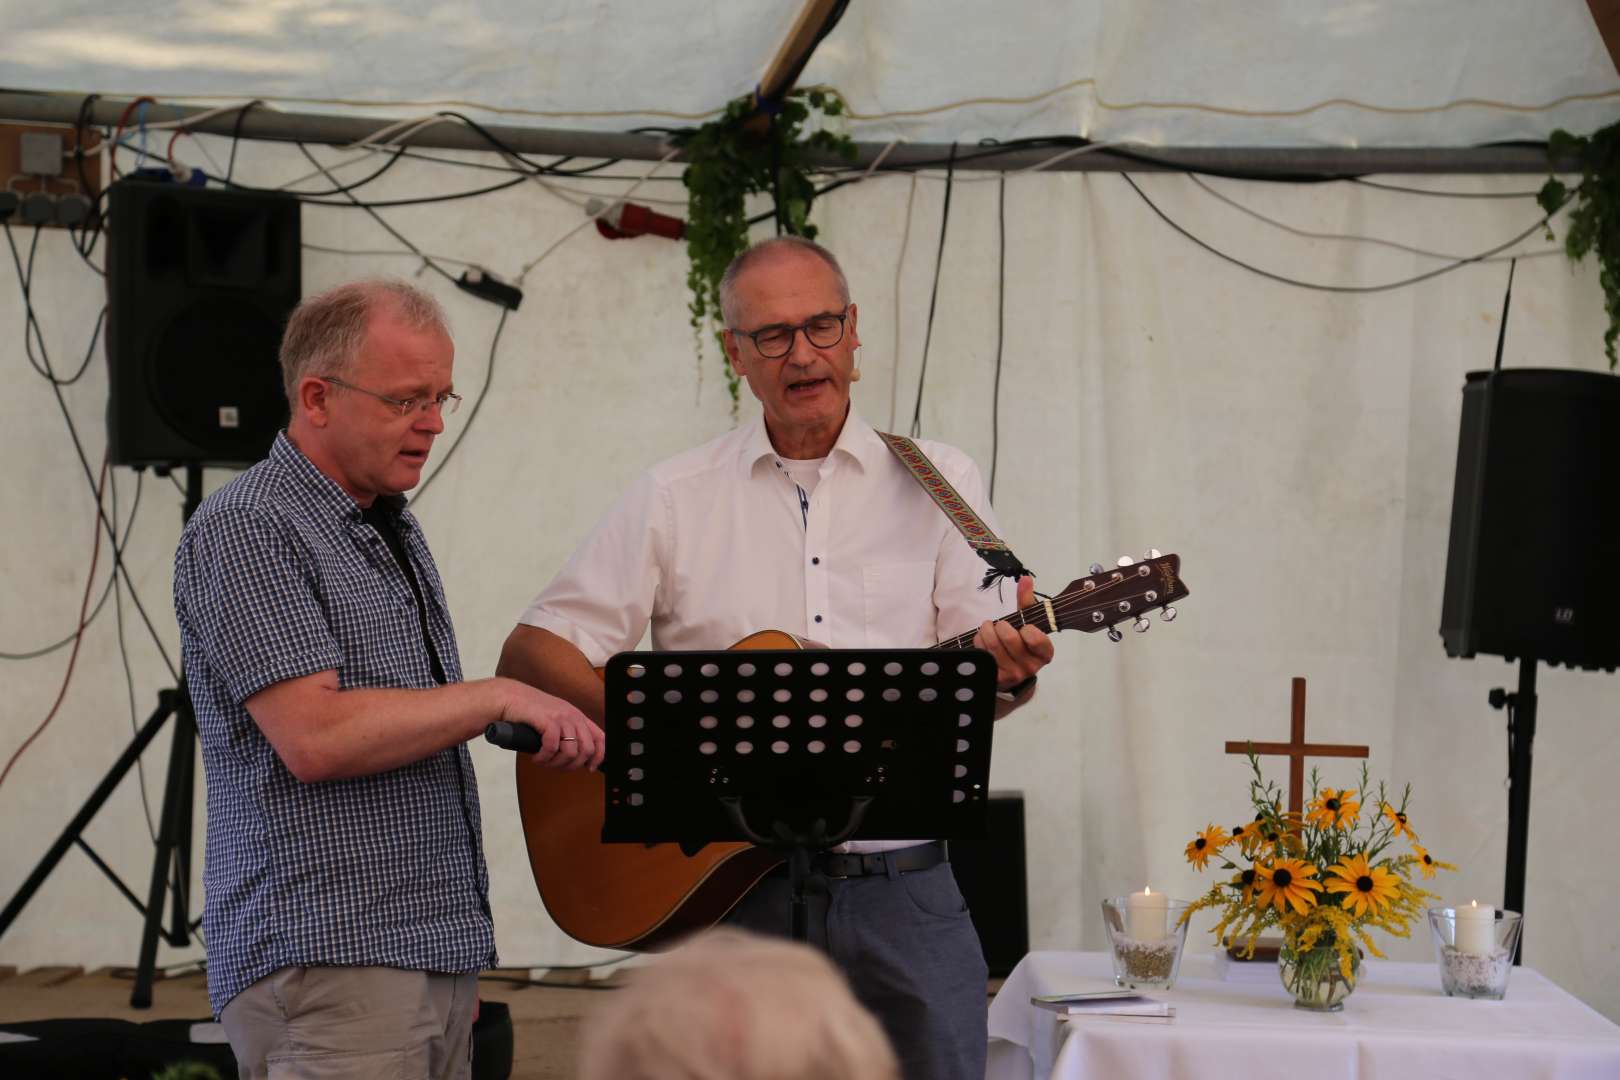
(1396, 1025)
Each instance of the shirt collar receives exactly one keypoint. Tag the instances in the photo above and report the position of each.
(328, 493)
(856, 441)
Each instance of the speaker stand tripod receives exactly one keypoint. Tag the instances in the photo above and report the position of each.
(171, 865)
(1521, 710)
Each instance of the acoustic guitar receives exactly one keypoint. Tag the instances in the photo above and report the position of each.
(645, 896)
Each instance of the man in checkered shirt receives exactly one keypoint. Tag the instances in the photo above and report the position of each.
(347, 912)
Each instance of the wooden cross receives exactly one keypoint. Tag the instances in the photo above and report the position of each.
(1296, 749)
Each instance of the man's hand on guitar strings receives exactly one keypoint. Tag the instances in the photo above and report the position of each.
(1019, 652)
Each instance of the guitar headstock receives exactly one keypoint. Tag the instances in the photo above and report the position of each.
(1128, 591)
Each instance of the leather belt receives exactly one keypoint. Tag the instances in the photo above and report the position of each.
(847, 865)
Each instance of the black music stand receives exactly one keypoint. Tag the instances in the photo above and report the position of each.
(797, 751)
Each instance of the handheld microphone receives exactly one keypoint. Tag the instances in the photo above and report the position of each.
(509, 736)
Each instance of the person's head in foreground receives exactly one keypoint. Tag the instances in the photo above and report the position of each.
(729, 1005)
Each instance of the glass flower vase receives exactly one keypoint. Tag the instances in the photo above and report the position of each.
(1315, 979)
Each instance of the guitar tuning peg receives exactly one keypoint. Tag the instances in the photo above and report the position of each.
(1095, 568)
(1154, 553)
(1124, 560)
(1114, 634)
(1167, 613)
(1141, 624)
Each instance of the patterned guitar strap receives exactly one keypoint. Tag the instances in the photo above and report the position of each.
(989, 547)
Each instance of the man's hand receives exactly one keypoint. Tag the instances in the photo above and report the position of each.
(569, 739)
(1019, 652)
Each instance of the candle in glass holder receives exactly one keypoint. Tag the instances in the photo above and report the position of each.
(1146, 913)
(1476, 929)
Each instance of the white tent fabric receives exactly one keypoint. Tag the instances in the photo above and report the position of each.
(1294, 446)
(1162, 72)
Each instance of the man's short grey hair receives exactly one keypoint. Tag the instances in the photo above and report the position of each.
(731, 1005)
(764, 250)
(326, 331)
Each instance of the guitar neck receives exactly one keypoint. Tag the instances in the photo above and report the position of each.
(1035, 615)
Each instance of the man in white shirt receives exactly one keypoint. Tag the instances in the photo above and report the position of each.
(804, 522)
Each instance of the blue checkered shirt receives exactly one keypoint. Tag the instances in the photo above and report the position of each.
(277, 577)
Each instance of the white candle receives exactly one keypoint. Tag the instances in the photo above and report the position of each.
(1476, 929)
(1146, 914)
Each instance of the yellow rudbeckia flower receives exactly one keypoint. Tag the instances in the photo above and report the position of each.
(1285, 883)
(1205, 844)
(1367, 890)
(1334, 808)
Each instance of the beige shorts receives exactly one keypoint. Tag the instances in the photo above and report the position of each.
(312, 1023)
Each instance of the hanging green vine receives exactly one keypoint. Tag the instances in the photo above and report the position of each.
(729, 160)
(1594, 223)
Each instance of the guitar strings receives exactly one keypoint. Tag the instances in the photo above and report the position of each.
(1073, 603)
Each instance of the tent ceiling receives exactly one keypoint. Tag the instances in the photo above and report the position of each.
(1373, 73)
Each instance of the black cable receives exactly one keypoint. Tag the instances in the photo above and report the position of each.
(933, 296)
(313, 196)
(478, 402)
(236, 135)
(1445, 194)
(89, 473)
(1386, 287)
(106, 592)
(1001, 325)
(123, 653)
(421, 200)
(395, 233)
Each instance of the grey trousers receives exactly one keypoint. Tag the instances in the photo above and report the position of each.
(314, 1023)
(909, 949)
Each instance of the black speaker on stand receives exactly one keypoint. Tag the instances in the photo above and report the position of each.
(199, 287)
(1535, 533)
(990, 870)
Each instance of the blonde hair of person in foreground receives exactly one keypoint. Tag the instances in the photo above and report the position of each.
(730, 1005)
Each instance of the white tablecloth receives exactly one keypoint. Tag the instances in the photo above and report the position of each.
(1397, 1025)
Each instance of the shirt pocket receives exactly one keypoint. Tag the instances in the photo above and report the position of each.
(899, 604)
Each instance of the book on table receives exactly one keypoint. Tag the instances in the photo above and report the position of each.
(1109, 1001)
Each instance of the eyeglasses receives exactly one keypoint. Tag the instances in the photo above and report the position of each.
(447, 402)
(775, 342)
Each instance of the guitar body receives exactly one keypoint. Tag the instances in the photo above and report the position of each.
(628, 896)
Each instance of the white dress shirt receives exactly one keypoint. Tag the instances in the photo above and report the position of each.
(717, 543)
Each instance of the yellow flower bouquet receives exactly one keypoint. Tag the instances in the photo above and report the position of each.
(1323, 877)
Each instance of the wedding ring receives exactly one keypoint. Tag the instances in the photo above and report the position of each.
(568, 738)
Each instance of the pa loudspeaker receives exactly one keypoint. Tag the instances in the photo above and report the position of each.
(1533, 568)
(200, 284)
(990, 871)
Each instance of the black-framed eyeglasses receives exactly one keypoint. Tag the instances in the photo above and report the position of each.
(447, 402)
(774, 342)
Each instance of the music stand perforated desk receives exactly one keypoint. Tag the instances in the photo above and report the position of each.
(797, 751)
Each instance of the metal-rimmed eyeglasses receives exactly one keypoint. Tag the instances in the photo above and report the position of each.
(447, 402)
(776, 341)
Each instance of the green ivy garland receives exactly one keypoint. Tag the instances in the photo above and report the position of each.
(728, 160)
(1594, 223)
